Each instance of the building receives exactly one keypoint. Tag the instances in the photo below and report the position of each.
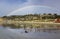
(57, 20)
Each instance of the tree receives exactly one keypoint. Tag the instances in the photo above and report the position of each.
(44, 13)
(4, 17)
(55, 15)
(49, 14)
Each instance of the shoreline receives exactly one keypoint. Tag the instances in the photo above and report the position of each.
(28, 22)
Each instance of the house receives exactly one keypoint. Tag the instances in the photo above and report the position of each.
(57, 20)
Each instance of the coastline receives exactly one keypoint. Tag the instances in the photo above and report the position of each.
(28, 22)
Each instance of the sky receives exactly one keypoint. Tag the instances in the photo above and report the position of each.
(7, 6)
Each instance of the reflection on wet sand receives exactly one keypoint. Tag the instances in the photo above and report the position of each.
(37, 28)
(24, 31)
(34, 27)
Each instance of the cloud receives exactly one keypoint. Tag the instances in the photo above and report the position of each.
(7, 6)
(33, 10)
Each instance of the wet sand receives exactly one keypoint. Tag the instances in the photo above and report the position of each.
(6, 33)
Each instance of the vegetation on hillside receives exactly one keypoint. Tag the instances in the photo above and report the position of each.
(30, 17)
